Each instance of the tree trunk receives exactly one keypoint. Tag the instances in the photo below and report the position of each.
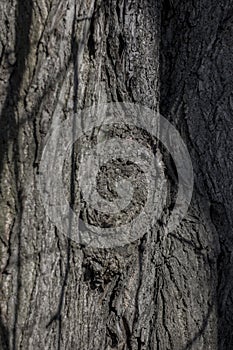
(162, 290)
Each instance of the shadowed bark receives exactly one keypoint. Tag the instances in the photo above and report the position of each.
(162, 291)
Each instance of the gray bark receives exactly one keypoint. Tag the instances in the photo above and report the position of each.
(162, 291)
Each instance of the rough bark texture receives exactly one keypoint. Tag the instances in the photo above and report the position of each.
(160, 292)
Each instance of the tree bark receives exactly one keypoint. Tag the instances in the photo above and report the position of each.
(162, 291)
